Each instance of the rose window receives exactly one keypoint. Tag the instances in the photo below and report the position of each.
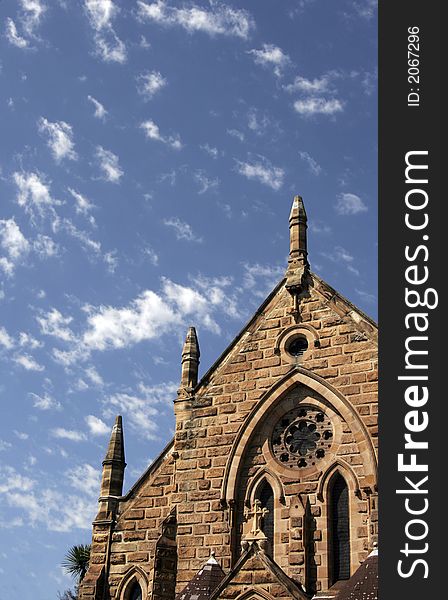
(302, 437)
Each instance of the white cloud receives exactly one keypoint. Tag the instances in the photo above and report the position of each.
(341, 256)
(14, 245)
(11, 480)
(261, 279)
(219, 19)
(142, 411)
(318, 85)
(258, 123)
(33, 194)
(109, 47)
(90, 246)
(5, 339)
(4, 445)
(101, 14)
(271, 56)
(109, 165)
(262, 170)
(13, 36)
(49, 506)
(182, 230)
(59, 138)
(111, 260)
(205, 183)
(318, 106)
(366, 9)
(152, 132)
(29, 18)
(85, 478)
(45, 247)
(313, 166)
(97, 426)
(100, 111)
(45, 402)
(239, 135)
(147, 317)
(53, 323)
(68, 434)
(152, 255)
(21, 434)
(28, 341)
(28, 362)
(83, 205)
(210, 150)
(150, 83)
(350, 204)
(366, 296)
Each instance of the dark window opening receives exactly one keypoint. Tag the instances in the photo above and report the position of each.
(266, 497)
(339, 529)
(297, 346)
(136, 592)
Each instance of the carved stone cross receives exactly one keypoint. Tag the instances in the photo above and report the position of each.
(257, 513)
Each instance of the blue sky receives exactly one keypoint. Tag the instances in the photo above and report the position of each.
(149, 154)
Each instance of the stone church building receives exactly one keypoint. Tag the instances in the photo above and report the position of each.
(269, 488)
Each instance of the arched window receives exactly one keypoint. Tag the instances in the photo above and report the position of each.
(339, 529)
(266, 497)
(136, 592)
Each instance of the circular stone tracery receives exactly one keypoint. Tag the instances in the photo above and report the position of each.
(301, 437)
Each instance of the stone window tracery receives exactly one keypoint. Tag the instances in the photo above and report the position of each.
(301, 437)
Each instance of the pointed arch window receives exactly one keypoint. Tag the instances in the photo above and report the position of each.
(136, 592)
(266, 497)
(339, 530)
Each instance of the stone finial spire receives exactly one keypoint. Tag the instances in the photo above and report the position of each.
(114, 463)
(298, 253)
(190, 361)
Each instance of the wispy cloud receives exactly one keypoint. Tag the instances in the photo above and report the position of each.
(5, 339)
(100, 111)
(83, 205)
(108, 46)
(182, 230)
(349, 204)
(97, 426)
(29, 18)
(33, 194)
(219, 19)
(313, 166)
(343, 257)
(205, 183)
(365, 9)
(59, 138)
(28, 362)
(309, 107)
(14, 245)
(68, 434)
(210, 150)
(263, 171)
(142, 411)
(318, 85)
(45, 402)
(148, 84)
(108, 163)
(152, 132)
(13, 36)
(271, 56)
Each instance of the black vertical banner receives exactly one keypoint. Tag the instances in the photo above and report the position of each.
(413, 265)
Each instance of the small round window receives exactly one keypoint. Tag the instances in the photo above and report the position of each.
(297, 346)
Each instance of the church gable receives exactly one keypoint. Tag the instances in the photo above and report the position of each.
(285, 420)
(256, 575)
